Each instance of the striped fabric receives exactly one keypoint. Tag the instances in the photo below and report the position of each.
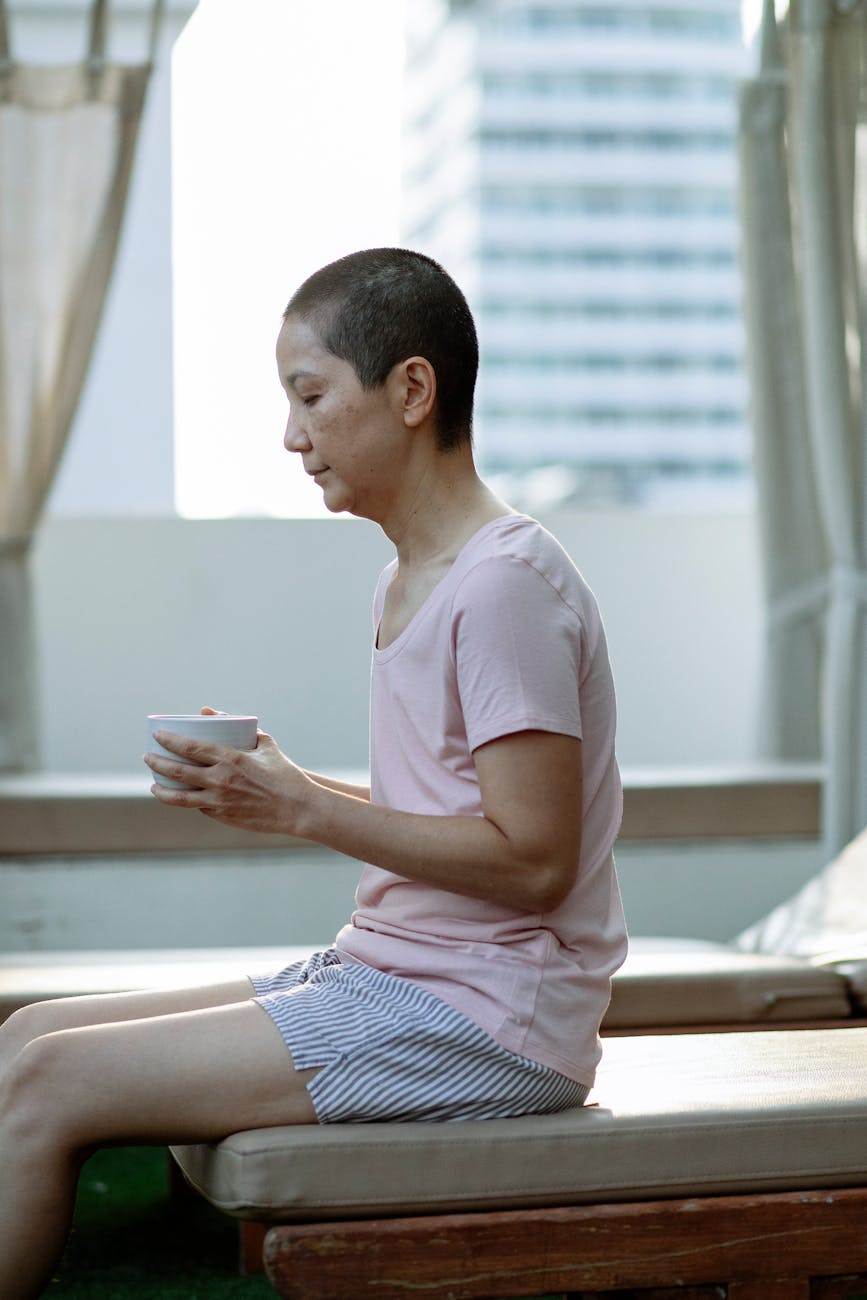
(390, 1050)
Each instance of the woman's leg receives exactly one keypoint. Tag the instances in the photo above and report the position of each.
(104, 1008)
(193, 1076)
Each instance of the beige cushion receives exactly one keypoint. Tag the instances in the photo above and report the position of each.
(850, 964)
(659, 987)
(677, 1115)
(664, 981)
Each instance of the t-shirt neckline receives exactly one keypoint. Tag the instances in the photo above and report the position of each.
(397, 644)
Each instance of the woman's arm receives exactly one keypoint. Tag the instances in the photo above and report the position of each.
(341, 787)
(522, 852)
(330, 783)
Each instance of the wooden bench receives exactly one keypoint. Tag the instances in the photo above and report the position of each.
(708, 1166)
(730, 991)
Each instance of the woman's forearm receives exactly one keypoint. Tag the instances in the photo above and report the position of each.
(341, 787)
(521, 852)
(465, 855)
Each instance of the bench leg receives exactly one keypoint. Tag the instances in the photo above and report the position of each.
(251, 1243)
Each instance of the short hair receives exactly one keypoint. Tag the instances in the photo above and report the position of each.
(376, 307)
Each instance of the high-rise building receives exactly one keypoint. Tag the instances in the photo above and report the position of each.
(574, 165)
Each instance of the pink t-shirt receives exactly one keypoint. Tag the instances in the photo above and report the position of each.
(509, 640)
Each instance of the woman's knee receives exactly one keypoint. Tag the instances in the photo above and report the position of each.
(34, 1096)
(16, 1032)
(19, 1094)
(29, 1023)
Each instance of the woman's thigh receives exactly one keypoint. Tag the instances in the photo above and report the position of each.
(191, 1076)
(107, 1008)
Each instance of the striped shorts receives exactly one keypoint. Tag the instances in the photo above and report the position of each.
(388, 1049)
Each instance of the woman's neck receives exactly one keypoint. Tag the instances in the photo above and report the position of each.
(447, 507)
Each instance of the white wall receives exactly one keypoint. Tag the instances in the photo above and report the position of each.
(700, 891)
(681, 598)
(163, 616)
(273, 617)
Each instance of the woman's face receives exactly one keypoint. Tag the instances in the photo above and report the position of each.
(348, 437)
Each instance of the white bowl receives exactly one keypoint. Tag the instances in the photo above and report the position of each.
(214, 729)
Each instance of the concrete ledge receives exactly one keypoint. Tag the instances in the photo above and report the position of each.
(761, 802)
(47, 813)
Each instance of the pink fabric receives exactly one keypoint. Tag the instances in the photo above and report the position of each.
(510, 640)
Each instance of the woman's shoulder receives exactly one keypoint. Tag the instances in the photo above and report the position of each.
(517, 545)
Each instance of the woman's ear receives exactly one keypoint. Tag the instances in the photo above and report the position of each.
(419, 385)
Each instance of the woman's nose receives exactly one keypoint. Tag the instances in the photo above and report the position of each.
(295, 439)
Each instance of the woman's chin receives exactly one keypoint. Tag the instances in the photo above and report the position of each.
(336, 503)
(339, 500)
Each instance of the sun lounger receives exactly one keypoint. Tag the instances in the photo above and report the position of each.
(706, 1161)
(679, 986)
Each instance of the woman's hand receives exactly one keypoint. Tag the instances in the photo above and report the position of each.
(259, 790)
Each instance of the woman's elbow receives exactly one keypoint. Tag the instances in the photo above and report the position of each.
(552, 883)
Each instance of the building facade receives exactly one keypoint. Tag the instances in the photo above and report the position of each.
(574, 165)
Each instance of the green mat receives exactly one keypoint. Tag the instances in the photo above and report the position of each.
(128, 1240)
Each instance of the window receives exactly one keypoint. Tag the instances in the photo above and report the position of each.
(286, 127)
(610, 190)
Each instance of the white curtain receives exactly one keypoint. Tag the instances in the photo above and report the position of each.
(793, 550)
(803, 177)
(67, 140)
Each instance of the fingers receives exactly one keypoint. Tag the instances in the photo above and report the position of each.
(204, 767)
(181, 795)
(254, 790)
(176, 778)
(190, 773)
(196, 751)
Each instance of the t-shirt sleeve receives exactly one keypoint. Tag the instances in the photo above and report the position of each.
(517, 647)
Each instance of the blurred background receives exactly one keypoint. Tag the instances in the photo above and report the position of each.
(574, 166)
(580, 167)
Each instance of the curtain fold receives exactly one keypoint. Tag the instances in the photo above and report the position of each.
(828, 82)
(793, 552)
(804, 185)
(67, 144)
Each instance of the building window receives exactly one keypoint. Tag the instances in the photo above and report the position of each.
(601, 224)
